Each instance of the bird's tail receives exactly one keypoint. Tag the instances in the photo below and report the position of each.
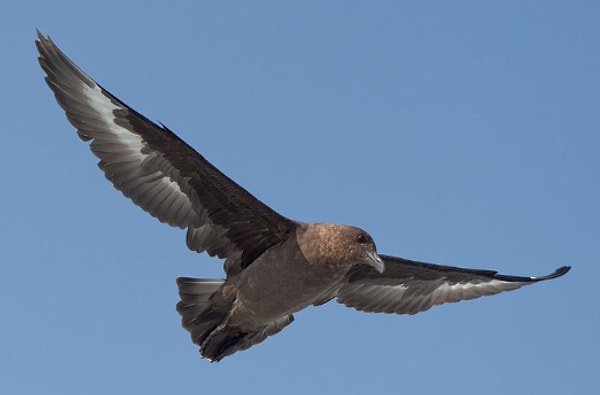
(207, 319)
(198, 315)
(195, 296)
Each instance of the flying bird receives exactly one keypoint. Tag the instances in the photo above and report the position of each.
(274, 266)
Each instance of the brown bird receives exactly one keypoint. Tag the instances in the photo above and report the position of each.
(274, 266)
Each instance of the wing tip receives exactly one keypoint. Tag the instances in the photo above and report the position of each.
(561, 271)
(41, 39)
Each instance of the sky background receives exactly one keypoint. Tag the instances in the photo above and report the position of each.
(464, 133)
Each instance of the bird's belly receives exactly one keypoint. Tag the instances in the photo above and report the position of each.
(270, 289)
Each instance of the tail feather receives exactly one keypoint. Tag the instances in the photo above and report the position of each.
(197, 315)
(207, 320)
(195, 294)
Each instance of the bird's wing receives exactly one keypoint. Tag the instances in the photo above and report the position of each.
(161, 173)
(409, 287)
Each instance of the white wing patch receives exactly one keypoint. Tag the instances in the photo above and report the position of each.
(414, 296)
(139, 172)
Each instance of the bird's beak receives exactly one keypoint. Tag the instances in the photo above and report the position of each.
(375, 261)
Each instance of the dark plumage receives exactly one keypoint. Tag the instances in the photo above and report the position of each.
(274, 266)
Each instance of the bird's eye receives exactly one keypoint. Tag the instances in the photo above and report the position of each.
(362, 238)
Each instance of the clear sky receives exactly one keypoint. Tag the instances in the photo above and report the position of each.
(464, 133)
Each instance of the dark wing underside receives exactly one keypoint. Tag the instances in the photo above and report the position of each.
(409, 287)
(160, 172)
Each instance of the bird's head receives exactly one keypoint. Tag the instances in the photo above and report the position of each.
(342, 245)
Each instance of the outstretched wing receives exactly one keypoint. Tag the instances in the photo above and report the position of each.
(161, 173)
(409, 287)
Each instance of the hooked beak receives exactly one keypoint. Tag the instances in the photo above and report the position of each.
(375, 261)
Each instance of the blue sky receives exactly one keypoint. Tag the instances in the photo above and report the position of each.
(464, 133)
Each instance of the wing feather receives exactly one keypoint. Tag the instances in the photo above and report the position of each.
(161, 173)
(409, 287)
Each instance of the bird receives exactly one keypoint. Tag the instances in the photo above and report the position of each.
(274, 266)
